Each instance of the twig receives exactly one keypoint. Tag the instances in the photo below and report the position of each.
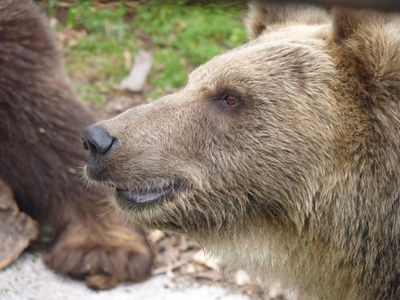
(171, 267)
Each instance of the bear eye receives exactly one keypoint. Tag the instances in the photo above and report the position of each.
(230, 100)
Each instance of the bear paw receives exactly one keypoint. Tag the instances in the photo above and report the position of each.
(102, 256)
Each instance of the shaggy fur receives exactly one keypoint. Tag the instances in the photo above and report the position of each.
(281, 156)
(40, 152)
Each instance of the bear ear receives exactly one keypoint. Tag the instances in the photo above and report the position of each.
(264, 17)
(352, 24)
(367, 43)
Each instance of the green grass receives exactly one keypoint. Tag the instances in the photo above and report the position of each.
(180, 35)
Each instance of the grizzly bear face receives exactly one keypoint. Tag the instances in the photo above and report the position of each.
(243, 137)
(281, 155)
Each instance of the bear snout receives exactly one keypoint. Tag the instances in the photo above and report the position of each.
(100, 144)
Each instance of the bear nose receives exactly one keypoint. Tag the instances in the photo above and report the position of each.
(96, 139)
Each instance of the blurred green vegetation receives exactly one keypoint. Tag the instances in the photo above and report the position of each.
(181, 35)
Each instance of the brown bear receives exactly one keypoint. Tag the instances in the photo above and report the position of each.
(41, 121)
(281, 156)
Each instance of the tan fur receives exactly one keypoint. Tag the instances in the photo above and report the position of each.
(301, 179)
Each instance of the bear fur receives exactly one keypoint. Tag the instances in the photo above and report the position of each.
(41, 121)
(281, 156)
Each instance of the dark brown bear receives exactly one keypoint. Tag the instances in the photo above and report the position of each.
(281, 156)
(40, 154)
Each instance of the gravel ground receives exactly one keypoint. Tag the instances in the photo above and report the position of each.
(28, 278)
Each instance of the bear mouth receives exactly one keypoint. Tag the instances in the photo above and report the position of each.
(142, 196)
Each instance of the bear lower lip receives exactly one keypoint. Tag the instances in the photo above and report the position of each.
(143, 196)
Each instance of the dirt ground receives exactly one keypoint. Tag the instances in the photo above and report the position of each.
(29, 279)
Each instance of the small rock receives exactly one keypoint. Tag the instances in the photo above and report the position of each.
(207, 260)
(156, 235)
(242, 278)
